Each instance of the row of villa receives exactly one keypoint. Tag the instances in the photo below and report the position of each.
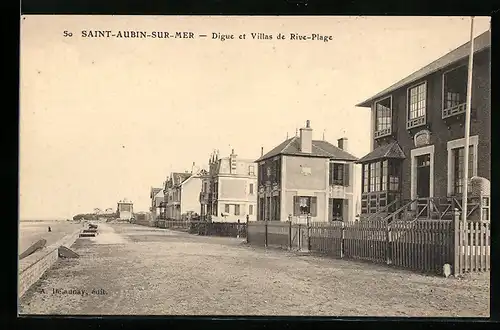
(299, 177)
(417, 150)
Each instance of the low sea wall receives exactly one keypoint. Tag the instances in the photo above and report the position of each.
(34, 266)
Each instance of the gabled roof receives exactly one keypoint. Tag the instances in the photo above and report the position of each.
(481, 42)
(179, 178)
(154, 191)
(322, 149)
(392, 150)
(198, 174)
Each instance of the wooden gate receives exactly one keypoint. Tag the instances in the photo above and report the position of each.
(472, 246)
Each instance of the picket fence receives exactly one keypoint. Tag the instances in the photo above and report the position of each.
(227, 229)
(419, 245)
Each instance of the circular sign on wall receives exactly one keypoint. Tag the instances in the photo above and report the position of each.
(422, 138)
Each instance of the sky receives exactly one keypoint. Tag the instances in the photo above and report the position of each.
(102, 119)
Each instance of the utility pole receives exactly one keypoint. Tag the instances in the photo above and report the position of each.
(467, 125)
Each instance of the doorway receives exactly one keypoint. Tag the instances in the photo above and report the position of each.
(336, 209)
(423, 176)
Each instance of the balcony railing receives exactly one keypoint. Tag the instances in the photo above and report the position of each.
(337, 182)
(383, 132)
(454, 110)
(415, 122)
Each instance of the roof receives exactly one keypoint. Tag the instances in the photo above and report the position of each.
(481, 42)
(392, 150)
(323, 149)
(179, 178)
(154, 191)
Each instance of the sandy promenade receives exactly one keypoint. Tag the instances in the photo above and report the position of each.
(129, 269)
(31, 232)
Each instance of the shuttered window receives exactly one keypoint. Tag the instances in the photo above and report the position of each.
(304, 205)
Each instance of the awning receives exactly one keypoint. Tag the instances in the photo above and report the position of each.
(392, 150)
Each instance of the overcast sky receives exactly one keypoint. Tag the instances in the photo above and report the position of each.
(106, 119)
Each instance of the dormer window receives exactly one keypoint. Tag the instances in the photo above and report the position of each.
(383, 117)
(416, 105)
(454, 91)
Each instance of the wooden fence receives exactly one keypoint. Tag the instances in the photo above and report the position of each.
(228, 229)
(419, 245)
(472, 247)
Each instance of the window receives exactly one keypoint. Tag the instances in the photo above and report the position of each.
(458, 169)
(226, 208)
(384, 175)
(275, 171)
(262, 173)
(417, 98)
(336, 174)
(250, 209)
(454, 92)
(261, 207)
(251, 170)
(275, 208)
(251, 188)
(381, 176)
(375, 176)
(236, 209)
(365, 177)
(383, 114)
(394, 176)
(205, 187)
(304, 205)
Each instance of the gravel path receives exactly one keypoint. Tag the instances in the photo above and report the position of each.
(129, 269)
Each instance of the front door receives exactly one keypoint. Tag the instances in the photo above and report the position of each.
(423, 176)
(337, 209)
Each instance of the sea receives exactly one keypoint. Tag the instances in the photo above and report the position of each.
(33, 230)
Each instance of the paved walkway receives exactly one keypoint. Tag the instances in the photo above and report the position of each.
(129, 269)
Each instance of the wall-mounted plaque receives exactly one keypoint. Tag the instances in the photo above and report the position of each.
(422, 138)
(305, 170)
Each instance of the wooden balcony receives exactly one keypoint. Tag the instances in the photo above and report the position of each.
(415, 122)
(382, 133)
(453, 111)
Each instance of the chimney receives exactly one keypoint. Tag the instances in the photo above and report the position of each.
(306, 138)
(261, 151)
(342, 143)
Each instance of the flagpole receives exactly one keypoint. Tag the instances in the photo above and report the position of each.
(467, 124)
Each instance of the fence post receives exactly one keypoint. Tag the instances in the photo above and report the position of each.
(342, 228)
(308, 233)
(265, 231)
(248, 241)
(456, 240)
(290, 232)
(388, 243)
